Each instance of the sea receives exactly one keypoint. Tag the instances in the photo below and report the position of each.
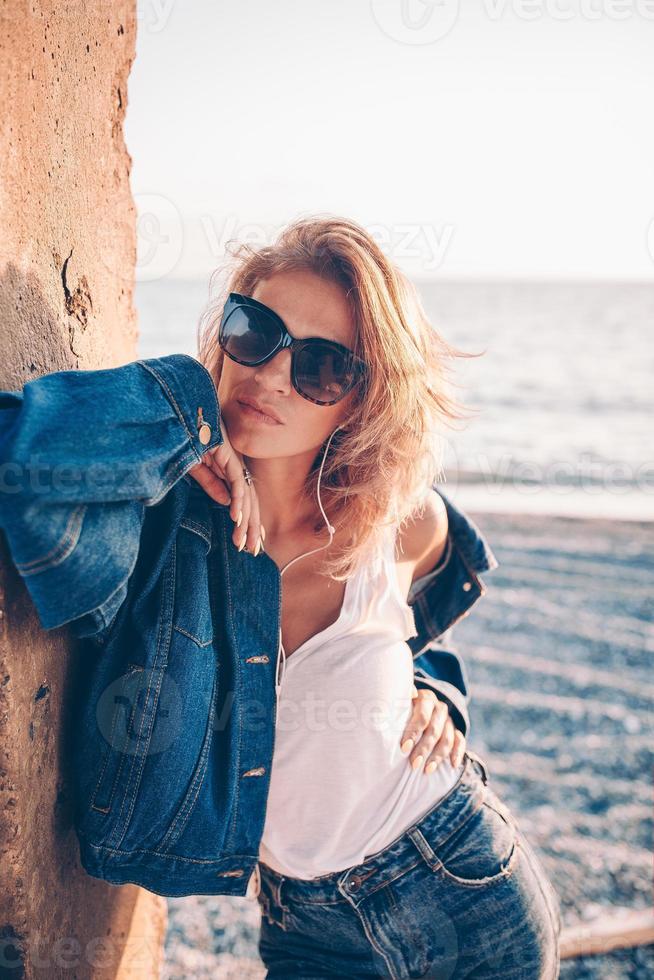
(560, 402)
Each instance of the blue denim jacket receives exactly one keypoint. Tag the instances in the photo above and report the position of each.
(175, 700)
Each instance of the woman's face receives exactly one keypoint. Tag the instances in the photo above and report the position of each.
(310, 307)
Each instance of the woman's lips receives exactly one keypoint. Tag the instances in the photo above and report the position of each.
(257, 416)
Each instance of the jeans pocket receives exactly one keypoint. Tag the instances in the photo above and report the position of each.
(483, 850)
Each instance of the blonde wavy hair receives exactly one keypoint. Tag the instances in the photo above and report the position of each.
(380, 468)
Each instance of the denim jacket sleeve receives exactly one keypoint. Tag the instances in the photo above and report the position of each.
(82, 454)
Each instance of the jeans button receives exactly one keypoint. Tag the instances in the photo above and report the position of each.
(354, 883)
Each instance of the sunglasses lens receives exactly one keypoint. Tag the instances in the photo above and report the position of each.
(323, 373)
(248, 335)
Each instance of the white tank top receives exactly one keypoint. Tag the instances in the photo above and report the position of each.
(340, 787)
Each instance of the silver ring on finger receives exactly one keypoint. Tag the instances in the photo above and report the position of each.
(247, 475)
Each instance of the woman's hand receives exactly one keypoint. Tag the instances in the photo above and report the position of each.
(220, 474)
(430, 734)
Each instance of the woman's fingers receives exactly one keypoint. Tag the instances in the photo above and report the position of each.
(255, 541)
(425, 727)
(442, 748)
(221, 474)
(430, 735)
(210, 482)
(456, 755)
(230, 465)
(227, 463)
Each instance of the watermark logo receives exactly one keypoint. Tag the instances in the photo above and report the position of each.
(425, 245)
(427, 21)
(159, 239)
(415, 21)
(126, 707)
(153, 15)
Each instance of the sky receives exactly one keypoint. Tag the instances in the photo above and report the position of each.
(475, 140)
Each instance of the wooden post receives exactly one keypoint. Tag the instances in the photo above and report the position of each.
(67, 259)
(615, 929)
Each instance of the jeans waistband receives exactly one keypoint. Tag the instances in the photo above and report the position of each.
(416, 843)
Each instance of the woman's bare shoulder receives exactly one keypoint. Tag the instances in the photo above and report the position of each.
(421, 540)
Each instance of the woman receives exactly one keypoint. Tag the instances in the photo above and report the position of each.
(370, 865)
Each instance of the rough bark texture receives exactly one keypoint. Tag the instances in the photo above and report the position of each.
(67, 259)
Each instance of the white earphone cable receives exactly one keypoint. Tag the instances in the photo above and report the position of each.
(280, 649)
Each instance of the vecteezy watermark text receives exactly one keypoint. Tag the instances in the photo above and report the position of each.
(427, 21)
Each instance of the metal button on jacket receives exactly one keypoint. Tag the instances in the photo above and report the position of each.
(204, 429)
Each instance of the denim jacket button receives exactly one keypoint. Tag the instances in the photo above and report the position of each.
(204, 429)
(467, 586)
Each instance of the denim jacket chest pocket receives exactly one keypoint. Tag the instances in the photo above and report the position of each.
(192, 614)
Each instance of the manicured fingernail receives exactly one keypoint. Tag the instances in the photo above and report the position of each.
(407, 745)
(242, 544)
(430, 766)
(263, 533)
(257, 549)
(417, 762)
(240, 518)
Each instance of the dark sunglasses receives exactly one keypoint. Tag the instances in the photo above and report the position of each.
(321, 370)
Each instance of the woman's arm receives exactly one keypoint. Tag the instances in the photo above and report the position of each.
(82, 454)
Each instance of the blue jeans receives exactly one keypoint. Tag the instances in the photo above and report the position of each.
(459, 894)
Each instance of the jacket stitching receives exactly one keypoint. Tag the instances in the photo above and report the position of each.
(172, 569)
(425, 606)
(171, 479)
(204, 757)
(470, 539)
(64, 547)
(196, 784)
(147, 701)
(196, 528)
(123, 756)
(228, 587)
(171, 399)
(203, 367)
(191, 636)
(105, 603)
(474, 576)
(107, 808)
(140, 757)
(241, 858)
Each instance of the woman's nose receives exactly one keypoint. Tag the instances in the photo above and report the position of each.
(277, 370)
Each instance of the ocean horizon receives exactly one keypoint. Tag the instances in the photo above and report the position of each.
(560, 401)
